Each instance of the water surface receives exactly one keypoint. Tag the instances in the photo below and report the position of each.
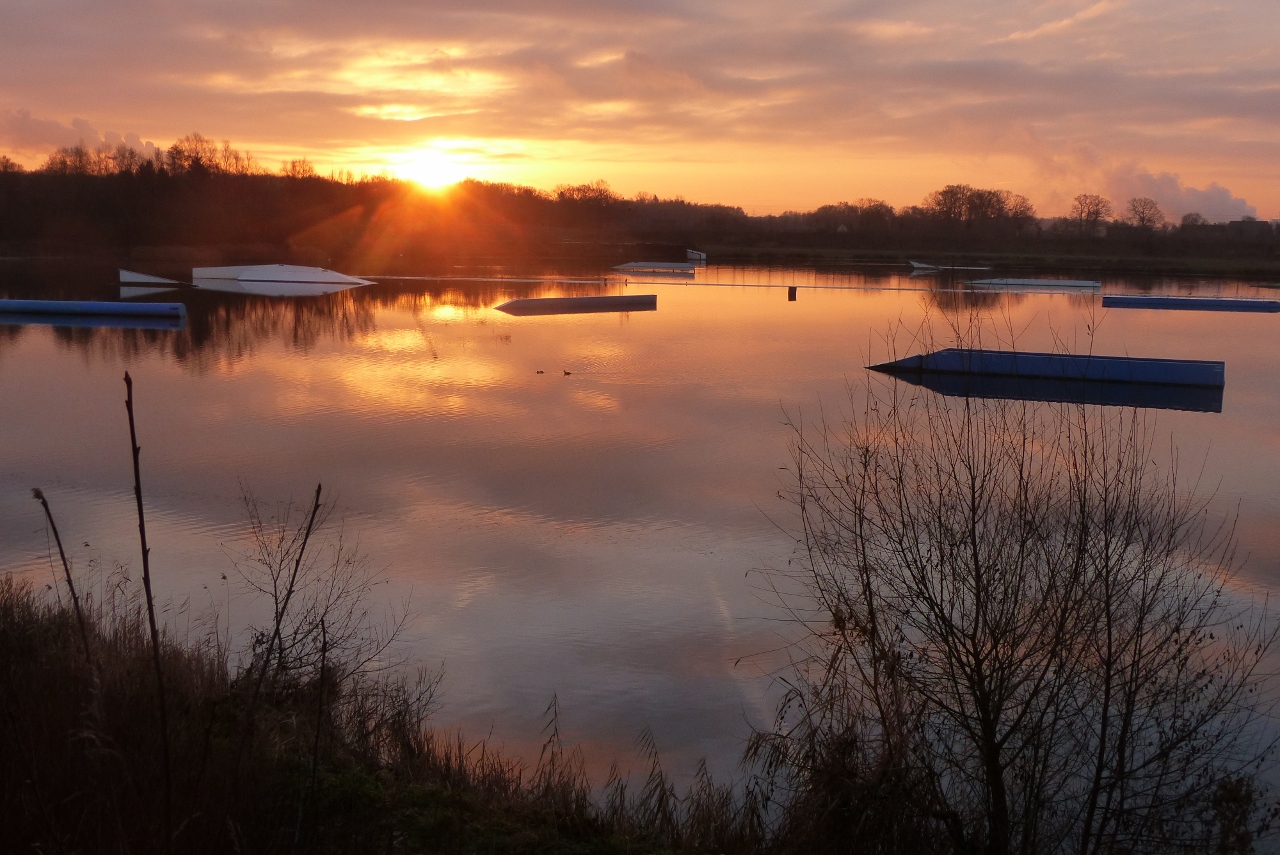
(590, 532)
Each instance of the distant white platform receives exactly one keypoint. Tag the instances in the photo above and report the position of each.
(657, 267)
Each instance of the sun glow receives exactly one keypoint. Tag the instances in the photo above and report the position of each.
(431, 167)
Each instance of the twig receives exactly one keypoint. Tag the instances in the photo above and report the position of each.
(151, 618)
(309, 797)
(275, 637)
(38, 494)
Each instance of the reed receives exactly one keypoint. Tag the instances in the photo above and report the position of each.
(342, 760)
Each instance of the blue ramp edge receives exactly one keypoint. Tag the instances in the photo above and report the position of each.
(1193, 304)
(88, 307)
(1061, 366)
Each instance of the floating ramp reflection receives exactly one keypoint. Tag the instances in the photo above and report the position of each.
(1194, 304)
(127, 322)
(1153, 396)
(1120, 381)
(93, 313)
(580, 305)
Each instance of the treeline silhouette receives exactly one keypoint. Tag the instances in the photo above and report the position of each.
(208, 200)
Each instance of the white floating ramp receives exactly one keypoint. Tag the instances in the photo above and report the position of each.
(1192, 304)
(274, 280)
(580, 305)
(1048, 284)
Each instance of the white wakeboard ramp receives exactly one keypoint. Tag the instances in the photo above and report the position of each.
(274, 280)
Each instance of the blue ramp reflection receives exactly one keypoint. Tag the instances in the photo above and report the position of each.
(128, 322)
(1156, 396)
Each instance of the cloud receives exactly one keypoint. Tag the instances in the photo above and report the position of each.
(1177, 85)
(1095, 11)
(24, 133)
(1175, 198)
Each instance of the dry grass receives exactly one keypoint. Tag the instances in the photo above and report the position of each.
(337, 757)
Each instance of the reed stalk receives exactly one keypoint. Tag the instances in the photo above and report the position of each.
(151, 617)
(38, 495)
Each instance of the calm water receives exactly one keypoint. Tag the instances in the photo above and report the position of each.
(591, 535)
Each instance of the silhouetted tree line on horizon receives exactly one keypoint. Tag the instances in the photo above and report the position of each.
(201, 193)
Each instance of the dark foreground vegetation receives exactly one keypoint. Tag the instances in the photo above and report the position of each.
(1018, 637)
(120, 736)
(324, 758)
(200, 202)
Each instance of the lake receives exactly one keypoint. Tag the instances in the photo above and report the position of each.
(582, 506)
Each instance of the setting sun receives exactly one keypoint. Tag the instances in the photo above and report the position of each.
(431, 167)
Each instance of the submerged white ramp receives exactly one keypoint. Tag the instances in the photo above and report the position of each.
(274, 280)
(581, 305)
(658, 268)
(1065, 284)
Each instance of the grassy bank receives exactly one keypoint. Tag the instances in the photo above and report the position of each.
(328, 758)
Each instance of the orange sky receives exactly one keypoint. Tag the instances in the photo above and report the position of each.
(761, 104)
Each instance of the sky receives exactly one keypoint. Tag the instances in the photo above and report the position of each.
(768, 105)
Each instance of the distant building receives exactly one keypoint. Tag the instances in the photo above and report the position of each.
(1251, 229)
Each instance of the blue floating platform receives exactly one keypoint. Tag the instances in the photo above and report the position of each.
(1062, 366)
(581, 305)
(1193, 304)
(92, 308)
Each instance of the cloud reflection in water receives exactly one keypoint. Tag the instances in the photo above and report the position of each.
(588, 535)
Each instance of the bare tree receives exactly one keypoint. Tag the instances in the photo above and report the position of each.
(597, 193)
(193, 153)
(1017, 206)
(300, 168)
(963, 203)
(1021, 640)
(8, 164)
(70, 160)
(126, 159)
(1195, 218)
(231, 161)
(1088, 211)
(949, 203)
(1145, 213)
